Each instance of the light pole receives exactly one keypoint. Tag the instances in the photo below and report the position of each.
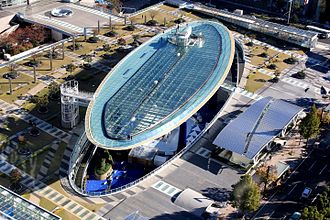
(290, 7)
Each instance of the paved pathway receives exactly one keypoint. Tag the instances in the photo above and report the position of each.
(41, 124)
(42, 190)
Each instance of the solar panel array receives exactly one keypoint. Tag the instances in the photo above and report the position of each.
(161, 85)
(233, 137)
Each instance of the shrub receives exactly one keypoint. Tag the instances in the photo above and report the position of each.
(274, 80)
(70, 67)
(249, 44)
(130, 28)
(290, 60)
(93, 39)
(300, 75)
(272, 66)
(111, 33)
(263, 54)
(102, 167)
(121, 41)
(179, 21)
(77, 46)
(106, 47)
(34, 63)
(11, 75)
(151, 23)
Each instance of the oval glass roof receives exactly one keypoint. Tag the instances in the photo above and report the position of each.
(157, 85)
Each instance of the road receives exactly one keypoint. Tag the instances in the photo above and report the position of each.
(314, 172)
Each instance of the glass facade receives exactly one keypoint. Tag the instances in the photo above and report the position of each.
(13, 206)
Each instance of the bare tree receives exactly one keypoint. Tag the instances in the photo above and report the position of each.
(153, 14)
(133, 20)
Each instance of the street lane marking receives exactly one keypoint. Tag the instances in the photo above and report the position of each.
(311, 166)
(292, 189)
(323, 169)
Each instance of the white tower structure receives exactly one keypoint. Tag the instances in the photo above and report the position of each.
(70, 104)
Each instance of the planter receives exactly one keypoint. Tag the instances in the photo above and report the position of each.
(103, 176)
(34, 132)
(24, 151)
(43, 110)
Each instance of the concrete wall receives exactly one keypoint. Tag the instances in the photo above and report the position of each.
(57, 36)
(4, 22)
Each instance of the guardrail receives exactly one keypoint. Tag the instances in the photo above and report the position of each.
(146, 9)
(132, 184)
(33, 51)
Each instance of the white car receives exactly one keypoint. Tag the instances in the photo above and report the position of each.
(295, 216)
(305, 194)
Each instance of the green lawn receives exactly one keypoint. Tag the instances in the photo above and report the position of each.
(87, 47)
(23, 79)
(159, 17)
(256, 81)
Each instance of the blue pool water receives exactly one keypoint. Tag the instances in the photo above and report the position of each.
(122, 174)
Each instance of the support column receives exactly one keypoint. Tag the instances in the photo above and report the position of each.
(10, 86)
(110, 23)
(85, 34)
(62, 50)
(34, 74)
(51, 59)
(98, 27)
(73, 43)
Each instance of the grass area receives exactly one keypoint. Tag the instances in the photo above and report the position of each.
(12, 125)
(64, 214)
(256, 81)
(17, 93)
(168, 8)
(87, 47)
(56, 161)
(54, 107)
(47, 204)
(159, 17)
(57, 63)
(279, 61)
(257, 50)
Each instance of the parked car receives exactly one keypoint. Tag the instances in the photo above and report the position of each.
(305, 194)
(295, 216)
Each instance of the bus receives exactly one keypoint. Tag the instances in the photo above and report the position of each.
(322, 33)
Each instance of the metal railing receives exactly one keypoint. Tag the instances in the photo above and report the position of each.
(132, 184)
(33, 51)
(146, 9)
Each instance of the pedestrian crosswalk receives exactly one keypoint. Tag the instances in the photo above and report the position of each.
(96, 12)
(60, 23)
(166, 188)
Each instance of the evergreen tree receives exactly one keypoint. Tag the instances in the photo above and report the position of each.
(310, 125)
(246, 195)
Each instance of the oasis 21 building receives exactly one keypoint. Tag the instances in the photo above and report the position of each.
(152, 104)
